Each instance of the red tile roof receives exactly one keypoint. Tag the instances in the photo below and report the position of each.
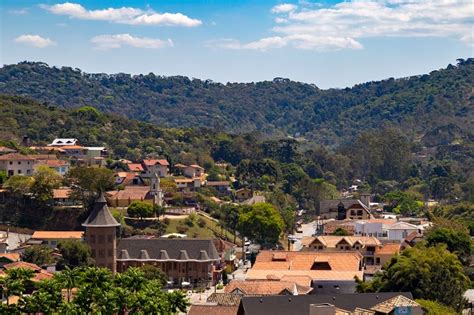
(162, 162)
(57, 234)
(135, 167)
(15, 157)
(62, 193)
(213, 310)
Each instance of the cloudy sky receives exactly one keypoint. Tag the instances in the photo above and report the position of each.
(328, 43)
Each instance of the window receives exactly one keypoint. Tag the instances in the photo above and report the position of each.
(92, 239)
(110, 253)
(19, 163)
(101, 239)
(110, 239)
(28, 172)
(359, 212)
(11, 162)
(19, 171)
(53, 243)
(320, 286)
(377, 261)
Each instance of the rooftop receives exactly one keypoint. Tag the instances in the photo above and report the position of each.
(57, 235)
(15, 157)
(100, 215)
(164, 249)
(266, 287)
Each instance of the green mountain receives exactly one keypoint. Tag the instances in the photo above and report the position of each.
(418, 105)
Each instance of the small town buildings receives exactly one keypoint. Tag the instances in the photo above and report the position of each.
(373, 227)
(266, 287)
(39, 273)
(400, 230)
(52, 238)
(60, 166)
(158, 166)
(328, 272)
(5, 150)
(60, 142)
(17, 164)
(371, 249)
(129, 179)
(151, 194)
(379, 303)
(342, 209)
(217, 304)
(243, 194)
(135, 167)
(8, 258)
(222, 187)
(191, 171)
(182, 260)
(62, 197)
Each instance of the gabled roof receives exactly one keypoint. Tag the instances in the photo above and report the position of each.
(15, 157)
(100, 215)
(402, 226)
(6, 150)
(212, 310)
(331, 241)
(161, 162)
(135, 167)
(266, 287)
(163, 249)
(399, 301)
(228, 299)
(10, 256)
(300, 304)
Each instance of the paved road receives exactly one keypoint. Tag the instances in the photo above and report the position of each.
(308, 230)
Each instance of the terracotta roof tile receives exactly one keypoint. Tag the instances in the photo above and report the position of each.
(11, 256)
(388, 248)
(135, 167)
(15, 157)
(228, 299)
(57, 234)
(62, 193)
(260, 287)
(213, 310)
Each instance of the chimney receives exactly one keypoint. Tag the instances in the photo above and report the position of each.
(365, 199)
(25, 141)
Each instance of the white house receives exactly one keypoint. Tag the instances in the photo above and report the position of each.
(17, 164)
(400, 230)
(159, 167)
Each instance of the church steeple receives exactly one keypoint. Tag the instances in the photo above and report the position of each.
(155, 190)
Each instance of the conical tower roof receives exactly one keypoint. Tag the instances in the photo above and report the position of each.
(100, 215)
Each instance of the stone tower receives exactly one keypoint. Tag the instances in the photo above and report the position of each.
(101, 235)
(155, 190)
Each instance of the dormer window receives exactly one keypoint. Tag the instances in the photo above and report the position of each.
(321, 265)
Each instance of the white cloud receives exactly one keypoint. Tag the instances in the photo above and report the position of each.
(34, 40)
(22, 11)
(284, 8)
(124, 15)
(104, 42)
(343, 25)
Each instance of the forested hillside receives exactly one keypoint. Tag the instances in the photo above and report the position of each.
(385, 159)
(441, 101)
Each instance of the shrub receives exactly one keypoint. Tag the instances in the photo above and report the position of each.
(201, 222)
(166, 221)
(181, 229)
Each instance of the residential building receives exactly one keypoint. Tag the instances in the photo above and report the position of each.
(17, 164)
(160, 167)
(135, 167)
(129, 179)
(62, 197)
(329, 272)
(52, 238)
(151, 194)
(243, 194)
(373, 227)
(192, 171)
(400, 230)
(371, 249)
(380, 303)
(222, 187)
(217, 304)
(5, 150)
(342, 209)
(39, 274)
(60, 166)
(60, 142)
(266, 287)
(8, 258)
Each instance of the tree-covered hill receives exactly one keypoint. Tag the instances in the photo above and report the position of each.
(417, 104)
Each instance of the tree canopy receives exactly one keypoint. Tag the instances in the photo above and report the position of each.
(261, 223)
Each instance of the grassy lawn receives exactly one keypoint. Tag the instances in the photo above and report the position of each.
(199, 232)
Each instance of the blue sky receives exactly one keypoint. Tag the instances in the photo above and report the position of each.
(328, 43)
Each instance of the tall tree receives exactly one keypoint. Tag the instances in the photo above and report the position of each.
(431, 273)
(261, 223)
(45, 180)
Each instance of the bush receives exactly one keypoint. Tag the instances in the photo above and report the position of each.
(140, 209)
(166, 221)
(435, 308)
(189, 221)
(181, 229)
(201, 222)
(220, 286)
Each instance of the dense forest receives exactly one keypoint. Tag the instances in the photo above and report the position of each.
(383, 160)
(435, 107)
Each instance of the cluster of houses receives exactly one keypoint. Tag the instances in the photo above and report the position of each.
(135, 181)
(317, 277)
